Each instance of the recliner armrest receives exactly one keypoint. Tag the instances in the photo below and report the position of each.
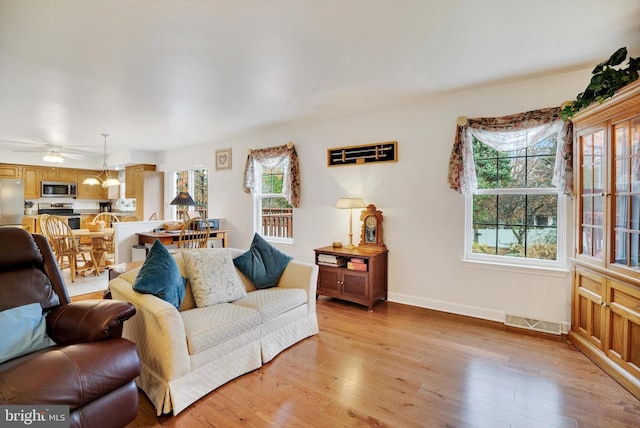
(88, 321)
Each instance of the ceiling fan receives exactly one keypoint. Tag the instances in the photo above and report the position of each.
(53, 153)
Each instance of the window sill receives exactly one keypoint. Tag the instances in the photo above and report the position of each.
(278, 240)
(529, 270)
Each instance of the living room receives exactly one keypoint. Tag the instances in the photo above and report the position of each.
(424, 220)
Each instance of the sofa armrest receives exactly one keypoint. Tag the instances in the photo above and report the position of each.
(302, 275)
(88, 321)
(157, 329)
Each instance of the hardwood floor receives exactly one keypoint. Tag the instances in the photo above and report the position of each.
(403, 366)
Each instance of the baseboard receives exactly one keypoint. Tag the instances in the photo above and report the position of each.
(453, 308)
(456, 308)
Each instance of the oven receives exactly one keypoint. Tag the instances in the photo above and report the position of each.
(64, 210)
(73, 221)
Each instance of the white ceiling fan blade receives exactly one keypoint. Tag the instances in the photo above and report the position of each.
(30, 151)
(72, 156)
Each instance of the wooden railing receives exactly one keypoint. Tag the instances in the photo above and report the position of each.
(277, 222)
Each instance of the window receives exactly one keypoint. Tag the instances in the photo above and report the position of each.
(514, 216)
(194, 181)
(272, 175)
(514, 171)
(273, 214)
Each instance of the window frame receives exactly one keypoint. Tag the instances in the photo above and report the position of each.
(561, 227)
(190, 188)
(258, 197)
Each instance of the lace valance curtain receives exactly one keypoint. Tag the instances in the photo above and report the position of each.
(270, 157)
(508, 133)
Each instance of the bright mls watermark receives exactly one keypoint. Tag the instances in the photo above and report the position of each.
(34, 416)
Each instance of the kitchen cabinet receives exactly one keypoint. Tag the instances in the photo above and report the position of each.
(131, 180)
(10, 171)
(86, 191)
(59, 174)
(605, 311)
(31, 178)
(31, 223)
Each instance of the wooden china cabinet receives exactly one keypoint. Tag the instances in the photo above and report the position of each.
(605, 322)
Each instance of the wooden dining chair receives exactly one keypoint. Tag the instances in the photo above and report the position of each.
(66, 247)
(153, 216)
(42, 220)
(108, 219)
(106, 245)
(194, 233)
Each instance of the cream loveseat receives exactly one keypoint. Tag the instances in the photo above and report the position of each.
(189, 352)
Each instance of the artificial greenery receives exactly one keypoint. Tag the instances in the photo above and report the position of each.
(607, 79)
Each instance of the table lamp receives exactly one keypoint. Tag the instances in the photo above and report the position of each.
(183, 199)
(350, 203)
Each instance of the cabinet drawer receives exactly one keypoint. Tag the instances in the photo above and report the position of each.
(589, 284)
(625, 300)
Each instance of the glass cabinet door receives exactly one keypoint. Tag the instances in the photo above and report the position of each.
(592, 194)
(626, 194)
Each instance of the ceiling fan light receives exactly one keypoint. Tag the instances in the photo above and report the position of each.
(91, 181)
(53, 157)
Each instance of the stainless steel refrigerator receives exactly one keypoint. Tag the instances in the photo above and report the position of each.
(11, 201)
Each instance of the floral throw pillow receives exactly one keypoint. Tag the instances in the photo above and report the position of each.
(213, 276)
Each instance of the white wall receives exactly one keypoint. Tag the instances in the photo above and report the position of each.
(423, 218)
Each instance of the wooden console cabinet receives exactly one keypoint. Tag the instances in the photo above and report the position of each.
(363, 287)
(605, 312)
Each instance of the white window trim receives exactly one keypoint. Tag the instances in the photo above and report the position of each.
(174, 209)
(561, 250)
(257, 208)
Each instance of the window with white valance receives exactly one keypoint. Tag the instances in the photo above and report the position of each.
(272, 176)
(514, 171)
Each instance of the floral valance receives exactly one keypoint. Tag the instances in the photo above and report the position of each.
(270, 157)
(508, 133)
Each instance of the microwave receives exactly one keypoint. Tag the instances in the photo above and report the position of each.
(54, 189)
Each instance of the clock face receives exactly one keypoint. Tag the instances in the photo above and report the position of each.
(370, 224)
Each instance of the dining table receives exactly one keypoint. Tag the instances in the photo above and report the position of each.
(99, 252)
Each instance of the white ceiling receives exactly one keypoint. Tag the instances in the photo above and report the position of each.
(158, 74)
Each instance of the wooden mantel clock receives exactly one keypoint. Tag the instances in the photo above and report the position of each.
(371, 234)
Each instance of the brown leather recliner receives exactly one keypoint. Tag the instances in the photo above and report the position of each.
(91, 369)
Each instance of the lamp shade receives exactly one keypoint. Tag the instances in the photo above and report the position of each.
(110, 181)
(91, 181)
(350, 203)
(184, 199)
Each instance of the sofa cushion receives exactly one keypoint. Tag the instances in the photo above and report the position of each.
(212, 276)
(208, 327)
(263, 264)
(23, 331)
(273, 301)
(159, 275)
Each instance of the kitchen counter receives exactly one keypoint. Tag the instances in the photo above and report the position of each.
(95, 212)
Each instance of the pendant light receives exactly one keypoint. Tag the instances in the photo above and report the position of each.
(108, 181)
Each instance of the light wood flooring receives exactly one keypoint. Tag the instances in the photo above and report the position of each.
(402, 366)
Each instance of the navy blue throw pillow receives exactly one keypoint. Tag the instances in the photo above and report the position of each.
(263, 264)
(160, 276)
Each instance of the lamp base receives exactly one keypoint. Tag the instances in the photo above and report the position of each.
(350, 247)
